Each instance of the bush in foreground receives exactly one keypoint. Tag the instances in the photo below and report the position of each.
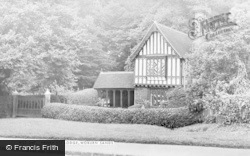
(227, 109)
(170, 118)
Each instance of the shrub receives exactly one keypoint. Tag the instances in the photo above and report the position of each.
(170, 118)
(102, 103)
(228, 109)
(196, 105)
(58, 99)
(83, 97)
(176, 98)
(142, 103)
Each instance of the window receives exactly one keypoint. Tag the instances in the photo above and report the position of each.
(156, 67)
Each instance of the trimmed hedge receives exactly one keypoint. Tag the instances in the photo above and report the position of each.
(84, 97)
(170, 118)
(87, 97)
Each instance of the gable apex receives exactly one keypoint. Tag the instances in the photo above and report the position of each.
(179, 41)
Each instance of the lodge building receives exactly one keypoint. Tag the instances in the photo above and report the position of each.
(159, 62)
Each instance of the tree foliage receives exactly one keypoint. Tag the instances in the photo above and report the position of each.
(219, 69)
(67, 43)
(222, 64)
(36, 45)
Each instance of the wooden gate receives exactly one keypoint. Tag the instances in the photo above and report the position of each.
(30, 106)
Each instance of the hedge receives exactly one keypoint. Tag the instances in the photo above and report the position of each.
(87, 97)
(170, 118)
(84, 97)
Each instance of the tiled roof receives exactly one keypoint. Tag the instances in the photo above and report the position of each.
(179, 41)
(108, 80)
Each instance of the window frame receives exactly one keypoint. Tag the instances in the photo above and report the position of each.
(160, 72)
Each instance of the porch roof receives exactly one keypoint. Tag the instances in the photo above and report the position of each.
(109, 80)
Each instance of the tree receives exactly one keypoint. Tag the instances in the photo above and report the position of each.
(222, 64)
(37, 45)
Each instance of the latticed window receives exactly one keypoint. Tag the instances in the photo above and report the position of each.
(156, 67)
(158, 95)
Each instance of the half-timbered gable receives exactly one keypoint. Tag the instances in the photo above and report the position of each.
(158, 62)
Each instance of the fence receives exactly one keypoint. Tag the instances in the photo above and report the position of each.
(23, 105)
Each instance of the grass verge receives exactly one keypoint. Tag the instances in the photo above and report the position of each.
(234, 136)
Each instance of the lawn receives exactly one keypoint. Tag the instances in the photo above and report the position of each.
(236, 136)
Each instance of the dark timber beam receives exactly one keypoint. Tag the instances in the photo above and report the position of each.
(107, 96)
(128, 98)
(113, 98)
(121, 104)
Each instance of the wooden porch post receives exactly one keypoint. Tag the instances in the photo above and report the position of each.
(121, 104)
(107, 96)
(151, 100)
(184, 74)
(128, 98)
(181, 64)
(113, 98)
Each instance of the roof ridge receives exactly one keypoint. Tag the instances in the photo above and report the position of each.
(170, 28)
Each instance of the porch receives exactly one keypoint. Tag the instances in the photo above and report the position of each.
(123, 98)
(116, 88)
